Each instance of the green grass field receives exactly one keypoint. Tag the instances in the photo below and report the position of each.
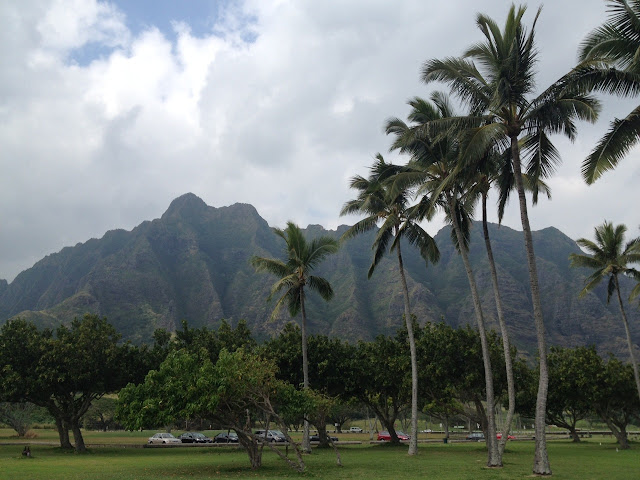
(595, 459)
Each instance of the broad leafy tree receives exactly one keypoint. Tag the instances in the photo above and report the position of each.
(616, 402)
(232, 391)
(609, 258)
(496, 79)
(294, 277)
(610, 62)
(383, 204)
(573, 382)
(66, 371)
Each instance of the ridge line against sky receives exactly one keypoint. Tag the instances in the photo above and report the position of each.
(110, 110)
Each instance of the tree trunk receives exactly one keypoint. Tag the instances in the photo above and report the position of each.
(620, 434)
(63, 433)
(306, 442)
(252, 447)
(77, 436)
(541, 464)
(494, 459)
(574, 435)
(511, 390)
(629, 342)
(413, 442)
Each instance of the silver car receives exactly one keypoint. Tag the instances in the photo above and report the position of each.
(163, 438)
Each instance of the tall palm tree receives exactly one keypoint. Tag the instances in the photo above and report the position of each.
(610, 61)
(495, 78)
(380, 203)
(435, 170)
(610, 258)
(294, 275)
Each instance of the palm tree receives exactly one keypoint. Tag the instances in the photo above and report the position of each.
(610, 258)
(435, 170)
(610, 62)
(294, 275)
(380, 203)
(495, 78)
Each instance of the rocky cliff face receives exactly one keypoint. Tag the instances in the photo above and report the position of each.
(193, 263)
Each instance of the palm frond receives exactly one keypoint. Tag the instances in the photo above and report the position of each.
(622, 135)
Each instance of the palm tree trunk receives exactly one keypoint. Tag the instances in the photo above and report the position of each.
(494, 458)
(541, 464)
(629, 342)
(511, 390)
(306, 442)
(413, 442)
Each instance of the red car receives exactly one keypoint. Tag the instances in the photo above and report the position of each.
(386, 436)
(509, 437)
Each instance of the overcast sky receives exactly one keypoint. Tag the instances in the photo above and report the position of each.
(110, 110)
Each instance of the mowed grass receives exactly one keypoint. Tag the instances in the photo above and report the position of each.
(593, 459)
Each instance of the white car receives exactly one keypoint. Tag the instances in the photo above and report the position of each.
(164, 438)
(355, 430)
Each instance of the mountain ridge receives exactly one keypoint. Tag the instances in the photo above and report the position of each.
(192, 263)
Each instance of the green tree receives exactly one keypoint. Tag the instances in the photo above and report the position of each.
(380, 202)
(610, 258)
(232, 392)
(496, 79)
(573, 381)
(331, 368)
(609, 62)
(17, 415)
(615, 400)
(67, 371)
(382, 370)
(294, 275)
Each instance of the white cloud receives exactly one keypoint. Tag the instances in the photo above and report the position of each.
(278, 106)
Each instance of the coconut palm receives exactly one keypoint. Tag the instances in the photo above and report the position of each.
(294, 275)
(380, 203)
(610, 61)
(434, 169)
(609, 258)
(496, 79)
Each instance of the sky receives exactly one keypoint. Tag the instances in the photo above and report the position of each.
(110, 110)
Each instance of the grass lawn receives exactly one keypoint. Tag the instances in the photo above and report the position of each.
(592, 459)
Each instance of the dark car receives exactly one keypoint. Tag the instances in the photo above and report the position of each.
(271, 435)
(225, 437)
(386, 436)
(475, 436)
(194, 437)
(316, 438)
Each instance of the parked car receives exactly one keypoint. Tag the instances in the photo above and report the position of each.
(271, 435)
(385, 436)
(163, 438)
(509, 437)
(355, 430)
(475, 436)
(225, 437)
(194, 437)
(316, 438)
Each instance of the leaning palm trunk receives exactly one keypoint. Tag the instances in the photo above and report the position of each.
(629, 343)
(511, 390)
(413, 442)
(306, 441)
(541, 464)
(494, 458)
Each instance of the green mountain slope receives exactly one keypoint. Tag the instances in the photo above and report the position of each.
(193, 263)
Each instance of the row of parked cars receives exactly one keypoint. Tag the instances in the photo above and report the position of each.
(224, 437)
(192, 437)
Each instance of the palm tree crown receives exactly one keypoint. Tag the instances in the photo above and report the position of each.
(610, 61)
(295, 274)
(608, 257)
